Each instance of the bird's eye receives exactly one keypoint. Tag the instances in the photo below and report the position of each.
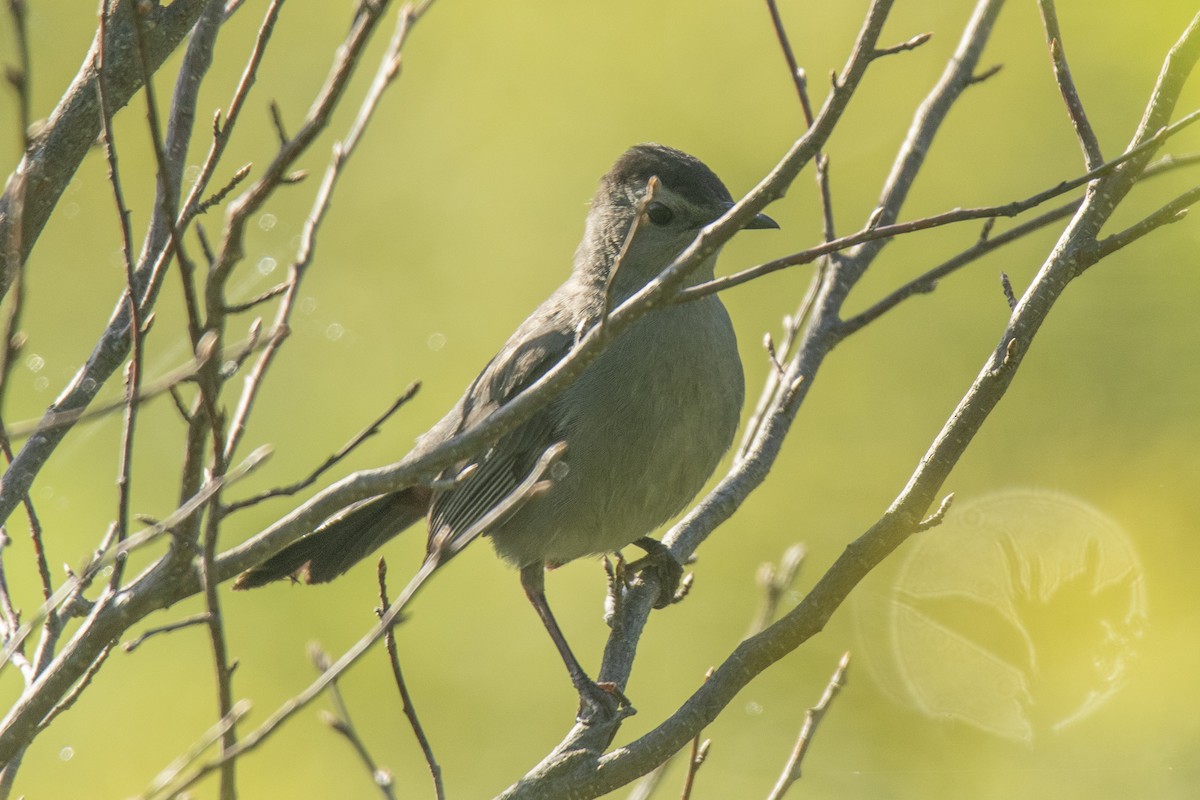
(659, 214)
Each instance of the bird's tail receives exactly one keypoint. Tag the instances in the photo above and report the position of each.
(342, 541)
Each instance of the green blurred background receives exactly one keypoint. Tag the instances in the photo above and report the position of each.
(460, 213)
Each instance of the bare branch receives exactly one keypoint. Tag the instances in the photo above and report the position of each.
(875, 234)
(196, 751)
(124, 77)
(440, 552)
(18, 75)
(791, 772)
(410, 710)
(798, 76)
(695, 761)
(59, 148)
(341, 723)
(333, 460)
(387, 72)
(928, 281)
(1172, 212)
(171, 627)
(935, 519)
(775, 582)
(134, 542)
(905, 46)
(1088, 142)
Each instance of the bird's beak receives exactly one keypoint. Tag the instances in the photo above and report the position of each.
(761, 222)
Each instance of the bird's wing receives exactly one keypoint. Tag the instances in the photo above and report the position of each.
(540, 343)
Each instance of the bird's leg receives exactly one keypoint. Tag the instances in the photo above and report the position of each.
(665, 566)
(598, 702)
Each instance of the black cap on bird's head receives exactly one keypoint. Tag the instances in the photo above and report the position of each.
(681, 174)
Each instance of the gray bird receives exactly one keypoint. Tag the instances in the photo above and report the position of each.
(645, 423)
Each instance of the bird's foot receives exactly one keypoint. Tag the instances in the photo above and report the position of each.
(672, 587)
(601, 703)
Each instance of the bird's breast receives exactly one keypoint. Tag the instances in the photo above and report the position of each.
(645, 425)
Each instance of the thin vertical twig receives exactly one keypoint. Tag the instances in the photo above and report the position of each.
(18, 76)
(791, 771)
(388, 71)
(168, 194)
(410, 710)
(341, 723)
(133, 374)
(1092, 155)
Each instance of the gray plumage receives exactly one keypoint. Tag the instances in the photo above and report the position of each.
(645, 424)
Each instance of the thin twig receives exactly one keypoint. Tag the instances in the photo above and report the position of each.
(1092, 155)
(345, 450)
(222, 133)
(193, 753)
(696, 760)
(410, 710)
(775, 582)
(180, 375)
(35, 528)
(170, 627)
(18, 76)
(800, 80)
(791, 772)
(134, 370)
(342, 724)
(134, 542)
(639, 219)
(387, 72)
(797, 74)
(10, 618)
(440, 552)
(1010, 296)
(876, 232)
(79, 688)
(257, 300)
(204, 205)
(1172, 212)
(696, 756)
(928, 281)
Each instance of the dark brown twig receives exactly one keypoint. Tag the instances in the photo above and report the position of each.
(410, 710)
(264, 297)
(797, 74)
(203, 206)
(696, 760)
(18, 75)
(327, 464)
(134, 370)
(1006, 286)
(170, 627)
(800, 80)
